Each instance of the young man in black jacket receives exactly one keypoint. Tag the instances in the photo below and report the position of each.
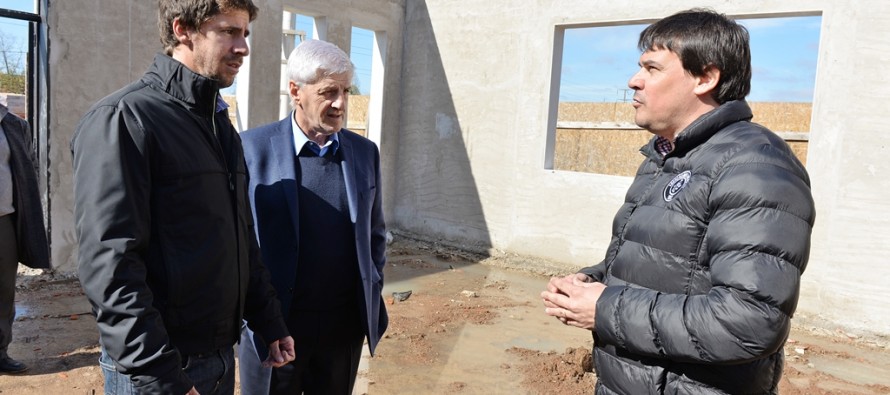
(168, 256)
(702, 275)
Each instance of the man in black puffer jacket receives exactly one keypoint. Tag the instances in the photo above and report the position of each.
(702, 274)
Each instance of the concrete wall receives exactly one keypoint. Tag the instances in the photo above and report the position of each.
(476, 83)
(97, 47)
(464, 115)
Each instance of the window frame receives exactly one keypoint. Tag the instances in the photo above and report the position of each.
(36, 91)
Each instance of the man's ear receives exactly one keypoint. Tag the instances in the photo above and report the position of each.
(181, 32)
(707, 82)
(294, 91)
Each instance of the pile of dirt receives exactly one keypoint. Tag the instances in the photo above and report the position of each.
(570, 372)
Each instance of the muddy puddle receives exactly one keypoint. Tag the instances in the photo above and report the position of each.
(455, 332)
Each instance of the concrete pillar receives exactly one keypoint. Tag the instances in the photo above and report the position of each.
(96, 48)
(338, 32)
(257, 101)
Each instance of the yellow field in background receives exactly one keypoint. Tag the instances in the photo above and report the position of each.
(616, 151)
(778, 117)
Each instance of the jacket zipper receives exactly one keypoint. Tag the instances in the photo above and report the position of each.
(234, 201)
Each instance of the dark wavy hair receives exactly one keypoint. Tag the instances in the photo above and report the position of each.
(193, 13)
(703, 38)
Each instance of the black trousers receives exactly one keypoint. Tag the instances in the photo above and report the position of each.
(328, 346)
(9, 263)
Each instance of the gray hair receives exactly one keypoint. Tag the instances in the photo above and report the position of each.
(313, 60)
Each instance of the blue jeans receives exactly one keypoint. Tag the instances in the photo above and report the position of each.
(212, 373)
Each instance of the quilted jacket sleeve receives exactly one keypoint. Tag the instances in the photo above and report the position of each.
(756, 244)
(596, 272)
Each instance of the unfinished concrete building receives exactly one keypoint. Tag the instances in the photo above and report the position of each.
(463, 108)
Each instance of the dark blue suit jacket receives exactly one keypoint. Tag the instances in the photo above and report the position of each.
(271, 163)
(33, 249)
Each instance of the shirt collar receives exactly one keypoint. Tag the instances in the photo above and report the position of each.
(3, 111)
(221, 104)
(663, 146)
(300, 140)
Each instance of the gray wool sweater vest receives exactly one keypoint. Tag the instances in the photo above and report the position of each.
(327, 270)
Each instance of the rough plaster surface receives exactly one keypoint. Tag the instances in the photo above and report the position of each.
(488, 65)
(465, 119)
(95, 48)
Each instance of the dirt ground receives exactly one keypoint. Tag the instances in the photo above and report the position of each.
(470, 326)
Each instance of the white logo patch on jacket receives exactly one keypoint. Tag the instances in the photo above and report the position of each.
(676, 185)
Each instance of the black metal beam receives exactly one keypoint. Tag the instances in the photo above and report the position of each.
(25, 16)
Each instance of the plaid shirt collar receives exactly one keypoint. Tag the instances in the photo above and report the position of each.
(663, 146)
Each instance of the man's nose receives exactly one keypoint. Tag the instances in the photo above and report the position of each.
(341, 100)
(635, 82)
(241, 47)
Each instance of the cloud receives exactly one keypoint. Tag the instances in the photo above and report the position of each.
(590, 92)
(813, 45)
(794, 24)
(803, 95)
(792, 84)
(598, 61)
(763, 23)
(605, 38)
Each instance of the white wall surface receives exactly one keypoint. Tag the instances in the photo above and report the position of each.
(464, 125)
(95, 48)
(476, 83)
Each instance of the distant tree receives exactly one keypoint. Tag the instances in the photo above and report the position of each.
(11, 55)
(354, 89)
(12, 83)
(12, 70)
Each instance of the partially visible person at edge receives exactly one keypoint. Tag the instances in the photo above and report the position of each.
(22, 234)
(168, 256)
(702, 275)
(316, 196)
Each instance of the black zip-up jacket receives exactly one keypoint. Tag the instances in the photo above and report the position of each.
(703, 271)
(168, 256)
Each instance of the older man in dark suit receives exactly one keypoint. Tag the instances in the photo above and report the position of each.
(315, 191)
(22, 234)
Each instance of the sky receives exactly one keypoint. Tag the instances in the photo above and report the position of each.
(15, 31)
(598, 61)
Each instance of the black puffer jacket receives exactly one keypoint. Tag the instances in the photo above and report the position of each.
(168, 256)
(703, 270)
